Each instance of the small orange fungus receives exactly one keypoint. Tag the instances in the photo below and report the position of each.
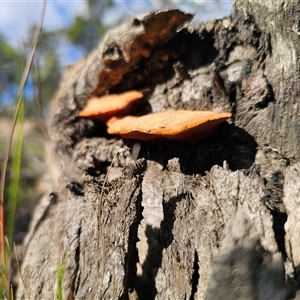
(104, 107)
(180, 124)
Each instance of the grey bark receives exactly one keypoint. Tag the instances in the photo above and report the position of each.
(213, 219)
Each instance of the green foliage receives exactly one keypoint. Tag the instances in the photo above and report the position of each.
(12, 63)
(6, 51)
(46, 77)
(85, 33)
(98, 8)
(46, 71)
(48, 42)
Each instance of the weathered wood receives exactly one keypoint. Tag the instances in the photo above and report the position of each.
(213, 219)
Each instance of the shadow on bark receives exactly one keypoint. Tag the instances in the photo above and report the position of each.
(158, 239)
(145, 287)
(228, 143)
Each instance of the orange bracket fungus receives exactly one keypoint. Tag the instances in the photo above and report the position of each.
(180, 124)
(105, 107)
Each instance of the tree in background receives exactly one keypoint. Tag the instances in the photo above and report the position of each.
(12, 64)
(84, 33)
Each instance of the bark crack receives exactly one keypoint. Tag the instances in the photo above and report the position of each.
(131, 257)
(273, 201)
(149, 230)
(76, 277)
(195, 276)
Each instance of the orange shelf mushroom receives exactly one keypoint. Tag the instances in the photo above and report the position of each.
(103, 108)
(180, 124)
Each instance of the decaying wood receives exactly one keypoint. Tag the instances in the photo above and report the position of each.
(213, 219)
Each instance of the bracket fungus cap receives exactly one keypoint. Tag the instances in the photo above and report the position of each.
(103, 108)
(175, 125)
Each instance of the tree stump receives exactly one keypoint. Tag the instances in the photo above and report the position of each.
(215, 218)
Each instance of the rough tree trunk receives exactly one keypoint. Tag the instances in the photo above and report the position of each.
(213, 219)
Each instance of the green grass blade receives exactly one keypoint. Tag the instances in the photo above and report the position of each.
(60, 276)
(15, 171)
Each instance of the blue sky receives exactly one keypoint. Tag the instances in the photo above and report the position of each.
(17, 16)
